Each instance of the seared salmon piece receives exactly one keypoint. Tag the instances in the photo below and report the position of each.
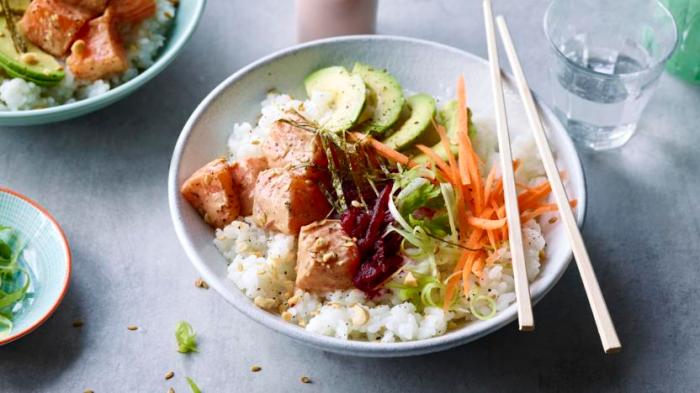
(212, 192)
(327, 258)
(245, 172)
(53, 25)
(98, 51)
(96, 7)
(289, 146)
(286, 200)
(133, 11)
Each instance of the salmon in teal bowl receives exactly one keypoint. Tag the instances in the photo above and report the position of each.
(35, 265)
(60, 59)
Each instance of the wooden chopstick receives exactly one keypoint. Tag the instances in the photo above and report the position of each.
(606, 328)
(526, 321)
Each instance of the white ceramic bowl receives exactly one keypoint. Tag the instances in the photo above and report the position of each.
(419, 66)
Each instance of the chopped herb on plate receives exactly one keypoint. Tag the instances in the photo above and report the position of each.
(14, 280)
(186, 337)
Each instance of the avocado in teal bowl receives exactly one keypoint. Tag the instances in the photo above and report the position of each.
(113, 52)
(35, 261)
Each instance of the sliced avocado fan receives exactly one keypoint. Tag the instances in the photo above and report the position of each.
(35, 65)
(422, 108)
(384, 99)
(447, 117)
(348, 92)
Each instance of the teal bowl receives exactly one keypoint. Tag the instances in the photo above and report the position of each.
(186, 19)
(47, 256)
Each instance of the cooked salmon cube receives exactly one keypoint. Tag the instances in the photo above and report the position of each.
(286, 200)
(96, 7)
(98, 51)
(212, 192)
(134, 11)
(327, 258)
(53, 25)
(245, 172)
(289, 146)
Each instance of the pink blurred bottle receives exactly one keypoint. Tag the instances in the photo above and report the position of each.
(327, 18)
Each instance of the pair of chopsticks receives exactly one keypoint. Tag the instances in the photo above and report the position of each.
(604, 323)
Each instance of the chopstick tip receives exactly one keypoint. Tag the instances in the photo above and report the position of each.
(613, 350)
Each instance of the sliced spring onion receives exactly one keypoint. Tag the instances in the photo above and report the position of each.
(14, 280)
(5, 326)
(490, 302)
(448, 194)
(427, 296)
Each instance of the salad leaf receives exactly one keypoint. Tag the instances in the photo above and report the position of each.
(418, 194)
(193, 385)
(14, 281)
(438, 225)
(186, 337)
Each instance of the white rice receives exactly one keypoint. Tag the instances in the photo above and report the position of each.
(18, 94)
(262, 263)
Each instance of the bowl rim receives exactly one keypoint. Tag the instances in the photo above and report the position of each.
(69, 267)
(352, 347)
(162, 61)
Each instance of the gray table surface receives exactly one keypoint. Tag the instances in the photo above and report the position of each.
(104, 178)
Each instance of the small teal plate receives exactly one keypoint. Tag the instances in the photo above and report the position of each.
(47, 256)
(186, 19)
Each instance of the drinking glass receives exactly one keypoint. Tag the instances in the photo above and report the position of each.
(605, 63)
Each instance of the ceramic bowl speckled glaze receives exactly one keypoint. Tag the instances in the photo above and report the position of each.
(186, 19)
(419, 66)
(46, 255)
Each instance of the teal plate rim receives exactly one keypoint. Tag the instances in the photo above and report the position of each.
(69, 266)
(164, 58)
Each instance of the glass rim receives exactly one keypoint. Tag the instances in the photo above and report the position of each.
(652, 66)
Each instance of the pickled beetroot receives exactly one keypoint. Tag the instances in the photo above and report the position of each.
(378, 252)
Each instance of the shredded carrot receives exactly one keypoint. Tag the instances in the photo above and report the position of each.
(465, 273)
(483, 223)
(384, 150)
(463, 129)
(435, 159)
(530, 214)
(452, 280)
(478, 267)
(448, 151)
(488, 186)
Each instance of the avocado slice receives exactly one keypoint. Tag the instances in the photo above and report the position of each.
(417, 125)
(385, 98)
(349, 95)
(35, 65)
(447, 116)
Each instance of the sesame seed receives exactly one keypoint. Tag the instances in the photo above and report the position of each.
(78, 323)
(169, 375)
(305, 379)
(255, 369)
(132, 327)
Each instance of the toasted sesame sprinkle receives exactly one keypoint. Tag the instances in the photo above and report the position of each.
(169, 375)
(305, 379)
(255, 369)
(171, 390)
(88, 391)
(199, 283)
(78, 323)
(132, 327)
